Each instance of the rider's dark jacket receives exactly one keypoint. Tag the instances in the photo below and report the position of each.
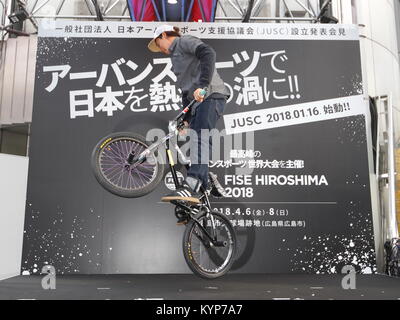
(193, 63)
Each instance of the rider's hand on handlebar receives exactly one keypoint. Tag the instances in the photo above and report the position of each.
(183, 130)
(197, 96)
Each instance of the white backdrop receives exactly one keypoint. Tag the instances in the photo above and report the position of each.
(13, 183)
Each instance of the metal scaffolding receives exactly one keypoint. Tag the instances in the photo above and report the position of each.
(312, 11)
(385, 166)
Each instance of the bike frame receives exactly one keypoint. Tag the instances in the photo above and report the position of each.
(174, 126)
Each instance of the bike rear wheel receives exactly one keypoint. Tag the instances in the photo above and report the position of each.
(207, 261)
(115, 174)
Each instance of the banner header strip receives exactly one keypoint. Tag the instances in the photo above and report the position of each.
(245, 31)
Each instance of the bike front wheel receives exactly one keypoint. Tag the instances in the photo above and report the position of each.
(116, 174)
(204, 258)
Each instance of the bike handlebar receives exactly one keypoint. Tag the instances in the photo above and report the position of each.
(203, 92)
(173, 126)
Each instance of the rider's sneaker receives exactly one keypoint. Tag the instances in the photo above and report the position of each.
(217, 190)
(184, 193)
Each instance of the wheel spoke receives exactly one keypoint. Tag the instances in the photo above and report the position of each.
(210, 259)
(112, 162)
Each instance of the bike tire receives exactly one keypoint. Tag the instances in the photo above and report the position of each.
(188, 253)
(99, 149)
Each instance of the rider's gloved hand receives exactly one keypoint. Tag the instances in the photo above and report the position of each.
(197, 96)
(183, 130)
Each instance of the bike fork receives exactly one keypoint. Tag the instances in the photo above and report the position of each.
(171, 164)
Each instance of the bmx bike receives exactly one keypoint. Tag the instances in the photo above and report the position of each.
(127, 166)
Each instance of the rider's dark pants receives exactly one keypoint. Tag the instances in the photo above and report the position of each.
(205, 116)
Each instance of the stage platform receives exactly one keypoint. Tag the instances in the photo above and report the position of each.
(190, 287)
